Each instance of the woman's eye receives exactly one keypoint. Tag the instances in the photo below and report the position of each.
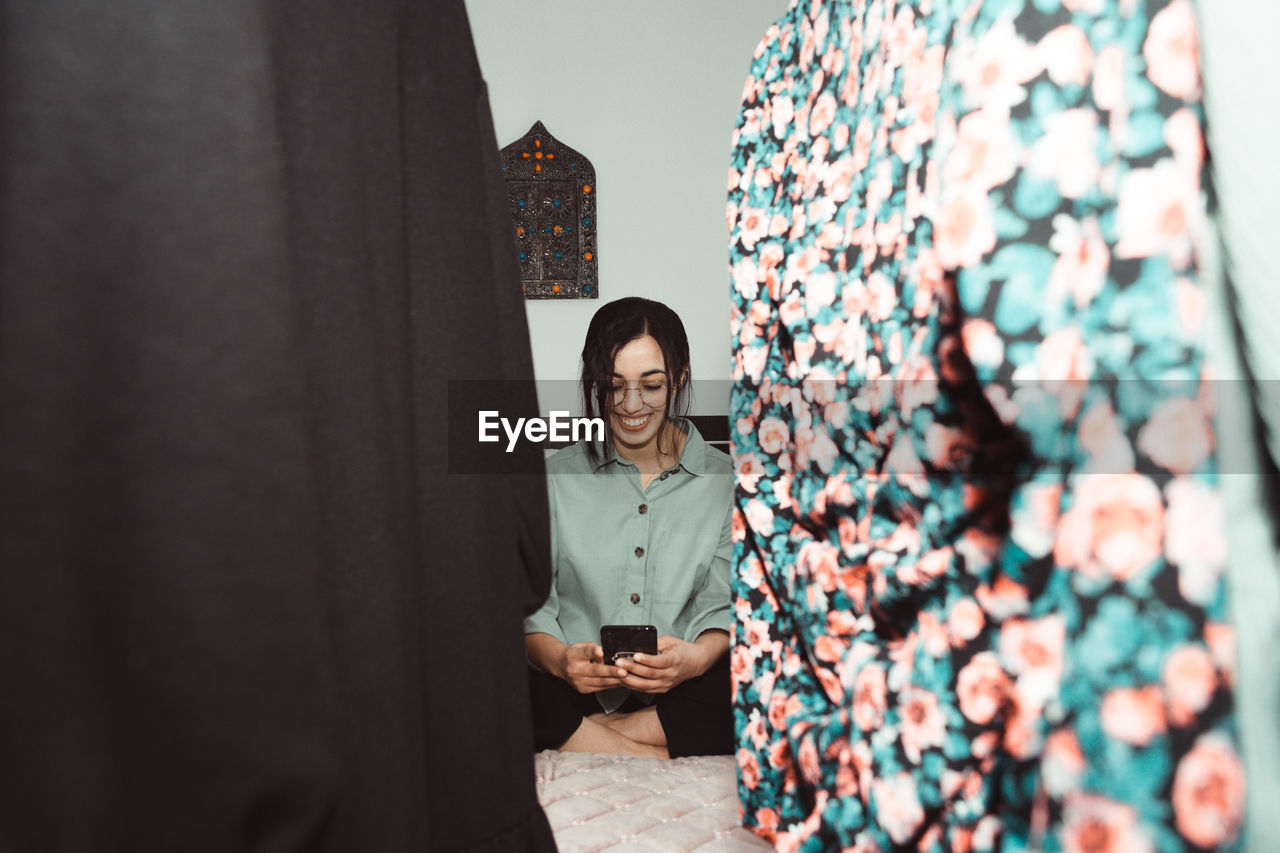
(655, 387)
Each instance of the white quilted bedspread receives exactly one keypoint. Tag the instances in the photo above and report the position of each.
(623, 804)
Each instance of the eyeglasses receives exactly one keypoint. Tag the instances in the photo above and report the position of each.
(653, 392)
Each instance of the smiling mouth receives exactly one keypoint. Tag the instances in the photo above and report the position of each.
(634, 423)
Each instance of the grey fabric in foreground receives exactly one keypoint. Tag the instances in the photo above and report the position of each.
(243, 247)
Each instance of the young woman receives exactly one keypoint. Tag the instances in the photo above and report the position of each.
(640, 536)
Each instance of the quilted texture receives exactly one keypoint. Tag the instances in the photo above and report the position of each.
(623, 804)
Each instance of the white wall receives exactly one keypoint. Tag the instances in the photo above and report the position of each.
(649, 92)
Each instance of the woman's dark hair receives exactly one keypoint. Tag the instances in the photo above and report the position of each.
(617, 324)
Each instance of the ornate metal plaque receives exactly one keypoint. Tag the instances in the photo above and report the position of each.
(553, 210)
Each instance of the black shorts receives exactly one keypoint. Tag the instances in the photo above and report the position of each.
(696, 715)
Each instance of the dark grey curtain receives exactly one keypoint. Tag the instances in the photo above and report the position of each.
(243, 603)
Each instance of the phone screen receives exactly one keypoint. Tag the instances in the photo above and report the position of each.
(622, 642)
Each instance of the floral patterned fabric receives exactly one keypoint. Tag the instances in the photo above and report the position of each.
(978, 556)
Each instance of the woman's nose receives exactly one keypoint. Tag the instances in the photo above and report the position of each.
(631, 400)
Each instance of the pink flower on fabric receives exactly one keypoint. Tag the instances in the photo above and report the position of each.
(1196, 542)
(965, 228)
(898, 808)
(1095, 824)
(1107, 447)
(1083, 259)
(1179, 435)
(985, 153)
(1133, 715)
(946, 446)
(749, 768)
(965, 621)
(882, 295)
(820, 563)
(767, 822)
(749, 471)
(923, 725)
(869, 697)
(1185, 138)
(1001, 63)
(828, 649)
(982, 688)
(1108, 78)
(1191, 305)
(982, 343)
(753, 224)
(759, 516)
(1208, 792)
(1063, 355)
(778, 711)
(1172, 51)
(740, 665)
(1067, 152)
(807, 757)
(1159, 211)
(1032, 650)
(1190, 680)
(1116, 526)
(772, 435)
(837, 182)
(822, 114)
(1063, 763)
(1023, 727)
(755, 729)
(1066, 55)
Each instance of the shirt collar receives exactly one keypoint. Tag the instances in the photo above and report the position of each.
(692, 459)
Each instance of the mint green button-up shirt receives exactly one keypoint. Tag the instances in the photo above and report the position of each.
(624, 555)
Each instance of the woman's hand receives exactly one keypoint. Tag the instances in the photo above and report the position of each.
(580, 665)
(677, 661)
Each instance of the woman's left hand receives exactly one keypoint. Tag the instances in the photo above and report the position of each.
(676, 661)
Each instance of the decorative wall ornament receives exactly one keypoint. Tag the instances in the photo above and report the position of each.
(553, 209)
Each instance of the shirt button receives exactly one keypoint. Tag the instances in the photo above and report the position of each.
(635, 598)
(639, 551)
(644, 508)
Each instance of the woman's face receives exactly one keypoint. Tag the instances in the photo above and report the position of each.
(640, 395)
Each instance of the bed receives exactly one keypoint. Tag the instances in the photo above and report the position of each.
(625, 804)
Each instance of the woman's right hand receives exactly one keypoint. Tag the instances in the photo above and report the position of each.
(580, 665)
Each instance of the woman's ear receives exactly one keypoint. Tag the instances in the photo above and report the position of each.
(684, 377)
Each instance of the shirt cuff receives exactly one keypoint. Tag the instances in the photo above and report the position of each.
(541, 623)
(717, 619)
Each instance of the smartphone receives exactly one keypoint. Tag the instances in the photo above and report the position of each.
(624, 641)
